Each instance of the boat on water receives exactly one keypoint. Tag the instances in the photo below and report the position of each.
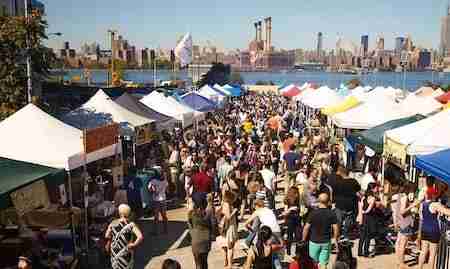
(446, 70)
(399, 69)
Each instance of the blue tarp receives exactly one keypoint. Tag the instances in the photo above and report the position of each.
(436, 164)
(234, 90)
(198, 102)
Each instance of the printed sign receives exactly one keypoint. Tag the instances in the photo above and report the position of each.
(395, 152)
(30, 197)
(145, 134)
(62, 194)
(101, 137)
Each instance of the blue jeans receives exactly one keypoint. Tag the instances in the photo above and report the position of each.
(255, 229)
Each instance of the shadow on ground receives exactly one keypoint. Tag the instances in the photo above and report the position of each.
(157, 245)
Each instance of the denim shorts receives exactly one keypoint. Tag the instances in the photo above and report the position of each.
(408, 231)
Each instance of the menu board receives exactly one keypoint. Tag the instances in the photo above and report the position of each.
(101, 137)
(145, 134)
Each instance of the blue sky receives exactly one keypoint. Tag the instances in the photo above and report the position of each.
(229, 23)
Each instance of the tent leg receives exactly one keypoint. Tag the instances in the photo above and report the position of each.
(382, 177)
(72, 221)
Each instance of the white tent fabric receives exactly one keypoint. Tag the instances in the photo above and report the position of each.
(414, 104)
(167, 105)
(211, 94)
(222, 89)
(304, 94)
(101, 110)
(425, 136)
(322, 97)
(31, 135)
(372, 112)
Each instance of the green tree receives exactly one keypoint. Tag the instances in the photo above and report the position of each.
(219, 73)
(14, 31)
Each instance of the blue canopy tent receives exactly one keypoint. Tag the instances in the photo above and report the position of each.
(235, 91)
(436, 164)
(198, 102)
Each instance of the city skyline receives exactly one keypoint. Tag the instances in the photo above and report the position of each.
(386, 18)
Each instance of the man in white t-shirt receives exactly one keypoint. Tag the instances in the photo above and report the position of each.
(269, 176)
(262, 216)
(157, 187)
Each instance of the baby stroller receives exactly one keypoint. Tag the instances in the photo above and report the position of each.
(344, 258)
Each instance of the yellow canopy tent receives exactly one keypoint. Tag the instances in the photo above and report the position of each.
(348, 103)
(447, 106)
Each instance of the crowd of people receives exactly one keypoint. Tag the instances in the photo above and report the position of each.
(232, 168)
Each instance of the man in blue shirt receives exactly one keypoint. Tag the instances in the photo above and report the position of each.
(291, 164)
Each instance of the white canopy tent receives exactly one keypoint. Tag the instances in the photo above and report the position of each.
(374, 111)
(414, 104)
(425, 136)
(222, 89)
(167, 105)
(322, 97)
(304, 94)
(211, 94)
(31, 135)
(101, 110)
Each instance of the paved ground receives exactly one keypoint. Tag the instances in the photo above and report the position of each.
(176, 245)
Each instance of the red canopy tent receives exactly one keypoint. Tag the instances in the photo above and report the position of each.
(294, 91)
(445, 98)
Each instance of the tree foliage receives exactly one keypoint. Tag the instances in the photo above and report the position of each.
(219, 73)
(14, 31)
(264, 82)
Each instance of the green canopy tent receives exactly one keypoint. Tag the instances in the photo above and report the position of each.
(16, 174)
(373, 138)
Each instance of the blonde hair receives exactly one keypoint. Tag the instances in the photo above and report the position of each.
(124, 210)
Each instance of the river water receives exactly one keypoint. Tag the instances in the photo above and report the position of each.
(413, 80)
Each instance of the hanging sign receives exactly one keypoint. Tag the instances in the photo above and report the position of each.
(395, 152)
(62, 194)
(101, 137)
(145, 134)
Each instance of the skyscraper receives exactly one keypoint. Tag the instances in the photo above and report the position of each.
(364, 45)
(319, 45)
(380, 43)
(445, 34)
(399, 44)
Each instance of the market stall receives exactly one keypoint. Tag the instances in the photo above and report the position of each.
(422, 137)
(167, 105)
(235, 91)
(32, 136)
(132, 103)
(198, 102)
(438, 166)
(212, 94)
(373, 138)
(101, 110)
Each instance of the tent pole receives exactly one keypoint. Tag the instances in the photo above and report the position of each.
(72, 221)
(382, 177)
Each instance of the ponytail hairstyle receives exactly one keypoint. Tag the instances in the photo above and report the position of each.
(265, 233)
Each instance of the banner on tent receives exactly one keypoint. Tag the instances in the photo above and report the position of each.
(145, 134)
(101, 137)
(395, 152)
(30, 197)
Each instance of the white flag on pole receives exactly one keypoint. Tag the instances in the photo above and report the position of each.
(183, 51)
